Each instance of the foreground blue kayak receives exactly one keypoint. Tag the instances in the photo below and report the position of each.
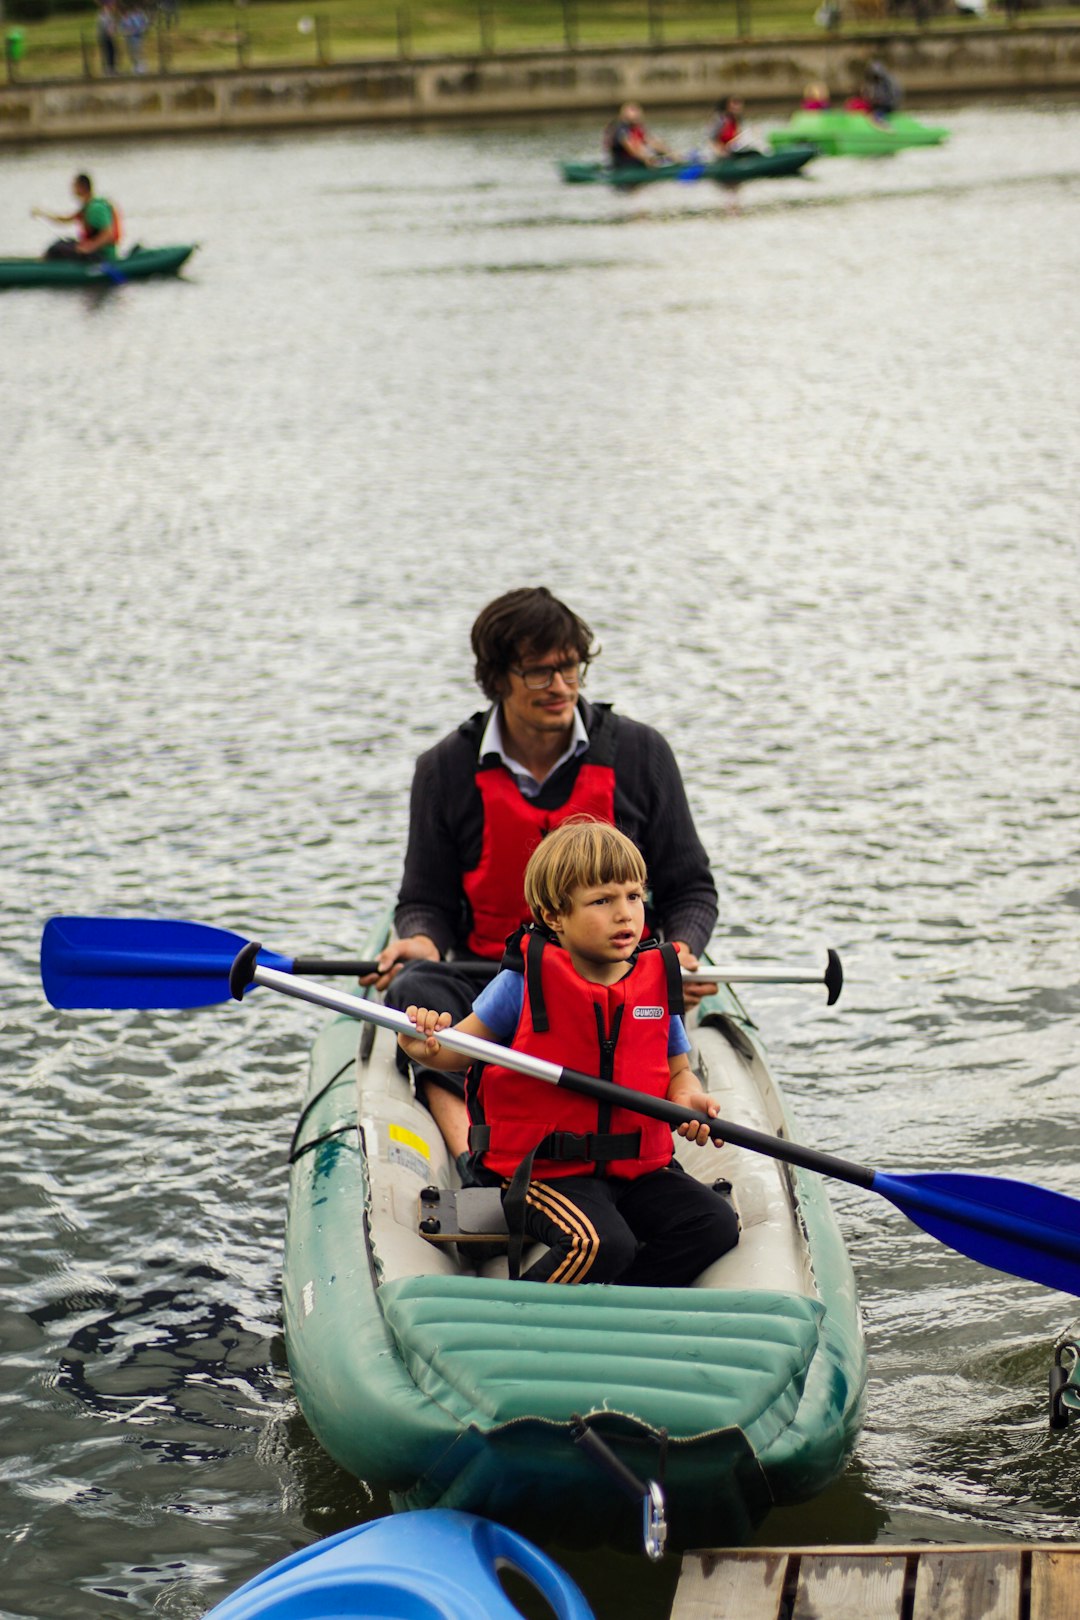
(437, 1565)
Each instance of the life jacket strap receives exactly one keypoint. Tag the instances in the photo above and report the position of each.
(593, 1147)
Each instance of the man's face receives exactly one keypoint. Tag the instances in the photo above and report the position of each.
(548, 708)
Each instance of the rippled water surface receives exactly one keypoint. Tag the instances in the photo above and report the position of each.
(809, 470)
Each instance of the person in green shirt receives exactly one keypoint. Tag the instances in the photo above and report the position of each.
(97, 220)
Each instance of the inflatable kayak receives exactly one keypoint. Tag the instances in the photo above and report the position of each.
(729, 171)
(421, 1367)
(854, 134)
(134, 266)
(417, 1566)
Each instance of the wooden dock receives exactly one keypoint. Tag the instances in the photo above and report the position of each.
(1010, 1582)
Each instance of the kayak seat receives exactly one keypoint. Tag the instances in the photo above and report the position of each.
(468, 1215)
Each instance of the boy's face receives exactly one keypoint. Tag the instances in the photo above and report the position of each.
(603, 924)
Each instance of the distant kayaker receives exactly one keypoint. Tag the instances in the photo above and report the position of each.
(599, 1185)
(880, 95)
(727, 133)
(882, 91)
(485, 795)
(629, 145)
(815, 97)
(98, 223)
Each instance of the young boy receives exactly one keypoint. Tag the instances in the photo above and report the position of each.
(597, 1183)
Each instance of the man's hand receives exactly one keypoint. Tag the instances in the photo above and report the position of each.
(694, 991)
(416, 948)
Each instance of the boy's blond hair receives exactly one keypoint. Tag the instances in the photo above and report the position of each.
(580, 854)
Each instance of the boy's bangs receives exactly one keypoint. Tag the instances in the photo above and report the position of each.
(580, 855)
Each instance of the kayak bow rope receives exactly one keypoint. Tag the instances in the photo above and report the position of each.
(1012, 1226)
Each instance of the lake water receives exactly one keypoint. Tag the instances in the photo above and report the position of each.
(808, 468)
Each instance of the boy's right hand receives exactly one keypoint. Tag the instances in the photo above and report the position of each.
(423, 1044)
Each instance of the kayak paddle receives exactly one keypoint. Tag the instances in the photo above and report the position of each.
(149, 962)
(1012, 1226)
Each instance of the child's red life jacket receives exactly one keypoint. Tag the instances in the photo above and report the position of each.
(618, 1032)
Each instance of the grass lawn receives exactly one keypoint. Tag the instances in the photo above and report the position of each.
(218, 34)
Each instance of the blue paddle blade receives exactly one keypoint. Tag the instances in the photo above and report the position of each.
(140, 962)
(1014, 1226)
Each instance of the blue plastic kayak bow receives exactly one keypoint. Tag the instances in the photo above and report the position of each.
(1011, 1226)
(150, 962)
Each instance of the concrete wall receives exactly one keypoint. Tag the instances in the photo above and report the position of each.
(944, 62)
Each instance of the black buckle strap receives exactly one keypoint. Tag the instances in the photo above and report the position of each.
(595, 1147)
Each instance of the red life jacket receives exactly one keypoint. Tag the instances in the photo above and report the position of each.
(513, 827)
(617, 1031)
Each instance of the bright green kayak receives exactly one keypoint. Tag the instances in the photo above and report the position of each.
(729, 171)
(457, 1388)
(135, 266)
(855, 134)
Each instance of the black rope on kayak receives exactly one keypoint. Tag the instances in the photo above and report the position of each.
(317, 1141)
(294, 1151)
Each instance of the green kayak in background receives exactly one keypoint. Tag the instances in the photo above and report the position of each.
(855, 134)
(134, 266)
(733, 170)
(420, 1367)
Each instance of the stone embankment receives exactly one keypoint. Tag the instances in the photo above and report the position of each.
(962, 60)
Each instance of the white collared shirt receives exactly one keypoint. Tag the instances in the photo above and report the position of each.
(492, 743)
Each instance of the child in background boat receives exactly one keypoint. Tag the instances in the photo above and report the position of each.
(598, 1184)
(727, 134)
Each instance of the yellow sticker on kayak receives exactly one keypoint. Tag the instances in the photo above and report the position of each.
(398, 1133)
(409, 1150)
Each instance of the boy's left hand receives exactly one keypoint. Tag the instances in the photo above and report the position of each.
(688, 1094)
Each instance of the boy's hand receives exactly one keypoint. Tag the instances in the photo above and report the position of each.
(423, 1044)
(688, 1094)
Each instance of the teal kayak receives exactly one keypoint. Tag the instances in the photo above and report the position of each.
(417, 1566)
(428, 1372)
(855, 134)
(134, 266)
(734, 170)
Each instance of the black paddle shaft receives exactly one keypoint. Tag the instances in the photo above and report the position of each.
(825, 1164)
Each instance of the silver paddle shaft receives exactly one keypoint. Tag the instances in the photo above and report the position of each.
(374, 1012)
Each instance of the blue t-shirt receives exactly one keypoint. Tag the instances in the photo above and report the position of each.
(499, 1006)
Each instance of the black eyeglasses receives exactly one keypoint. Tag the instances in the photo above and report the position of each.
(541, 676)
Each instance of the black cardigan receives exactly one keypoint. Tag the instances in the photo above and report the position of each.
(446, 829)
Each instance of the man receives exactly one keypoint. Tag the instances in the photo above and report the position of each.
(98, 223)
(484, 796)
(629, 145)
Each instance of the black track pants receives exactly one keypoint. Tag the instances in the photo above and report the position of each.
(659, 1230)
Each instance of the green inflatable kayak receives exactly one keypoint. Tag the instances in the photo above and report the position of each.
(427, 1371)
(729, 171)
(134, 266)
(855, 134)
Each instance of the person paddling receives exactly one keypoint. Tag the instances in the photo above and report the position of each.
(727, 133)
(486, 794)
(599, 1185)
(629, 145)
(97, 220)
